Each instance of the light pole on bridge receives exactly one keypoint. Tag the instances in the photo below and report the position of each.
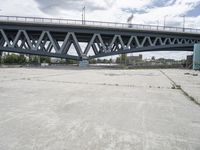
(165, 20)
(183, 22)
(158, 23)
(83, 15)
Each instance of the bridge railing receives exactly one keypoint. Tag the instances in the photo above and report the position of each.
(95, 23)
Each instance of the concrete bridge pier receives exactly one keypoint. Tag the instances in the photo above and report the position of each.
(84, 62)
(196, 57)
(1, 54)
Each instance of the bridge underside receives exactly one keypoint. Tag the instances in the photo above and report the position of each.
(82, 43)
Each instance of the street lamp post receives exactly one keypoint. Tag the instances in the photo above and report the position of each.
(83, 15)
(158, 22)
(165, 20)
(183, 23)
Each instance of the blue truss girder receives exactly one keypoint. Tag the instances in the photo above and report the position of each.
(56, 40)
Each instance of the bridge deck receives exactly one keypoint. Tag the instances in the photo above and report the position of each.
(97, 24)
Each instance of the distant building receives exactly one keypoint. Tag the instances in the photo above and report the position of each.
(138, 62)
(163, 61)
(189, 61)
(135, 59)
(56, 60)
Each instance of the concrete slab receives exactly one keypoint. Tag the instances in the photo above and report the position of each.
(189, 80)
(53, 109)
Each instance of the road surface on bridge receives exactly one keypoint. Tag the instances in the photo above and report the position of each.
(104, 109)
(97, 24)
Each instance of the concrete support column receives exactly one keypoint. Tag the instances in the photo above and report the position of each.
(1, 53)
(83, 63)
(196, 57)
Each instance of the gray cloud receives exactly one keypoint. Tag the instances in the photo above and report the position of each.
(54, 6)
(134, 10)
(154, 4)
(110, 3)
(162, 3)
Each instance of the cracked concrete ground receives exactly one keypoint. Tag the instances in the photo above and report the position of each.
(71, 109)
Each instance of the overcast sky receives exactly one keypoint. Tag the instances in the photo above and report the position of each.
(145, 12)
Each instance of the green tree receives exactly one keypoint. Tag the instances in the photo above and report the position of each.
(122, 59)
(118, 60)
(98, 60)
(34, 59)
(14, 59)
(21, 59)
(93, 61)
(44, 59)
(110, 61)
(68, 61)
(153, 58)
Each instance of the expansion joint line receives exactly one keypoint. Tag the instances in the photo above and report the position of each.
(178, 87)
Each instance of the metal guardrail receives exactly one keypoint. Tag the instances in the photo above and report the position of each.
(96, 24)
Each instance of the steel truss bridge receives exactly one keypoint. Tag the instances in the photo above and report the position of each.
(54, 37)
